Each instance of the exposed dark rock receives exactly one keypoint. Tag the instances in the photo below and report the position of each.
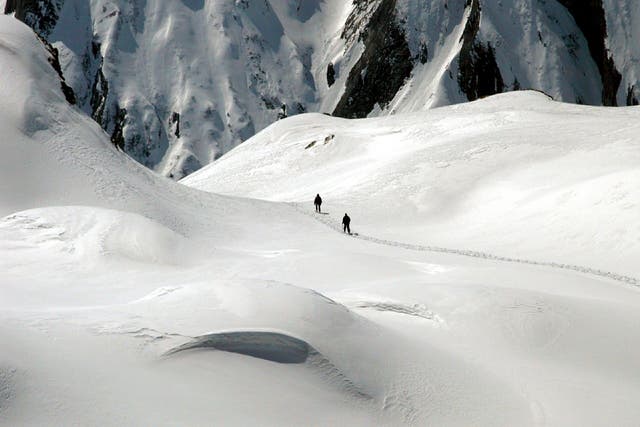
(384, 65)
(631, 96)
(175, 120)
(99, 93)
(283, 112)
(357, 19)
(95, 48)
(10, 7)
(41, 15)
(331, 74)
(590, 17)
(423, 55)
(54, 60)
(478, 74)
(68, 92)
(271, 102)
(117, 137)
(300, 108)
(516, 84)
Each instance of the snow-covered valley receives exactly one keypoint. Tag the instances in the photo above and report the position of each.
(129, 299)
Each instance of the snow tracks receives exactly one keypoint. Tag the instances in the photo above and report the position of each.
(328, 221)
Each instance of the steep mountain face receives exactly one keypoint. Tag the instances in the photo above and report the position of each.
(177, 84)
(384, 65)
(478, 73)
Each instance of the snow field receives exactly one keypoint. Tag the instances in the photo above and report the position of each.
(479, 177)
(107, 269)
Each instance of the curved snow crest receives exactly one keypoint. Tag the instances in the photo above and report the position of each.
(413, 310)
(274, 347)
(271, 346)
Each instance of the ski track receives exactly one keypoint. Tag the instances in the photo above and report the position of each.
(327, 220)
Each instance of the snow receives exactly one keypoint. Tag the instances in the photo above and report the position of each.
(161, 58)
(477, 176)
(182, 57)
(539, 45)
(622, 18)
(128, 299)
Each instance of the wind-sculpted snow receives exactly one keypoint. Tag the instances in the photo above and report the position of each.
(415, 310)
(274, 347)
(271, 346)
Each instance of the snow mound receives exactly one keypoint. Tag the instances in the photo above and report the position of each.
(86, 233)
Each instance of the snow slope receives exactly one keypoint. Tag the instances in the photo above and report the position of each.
(161, 77)
(477, 176)
(128, 299)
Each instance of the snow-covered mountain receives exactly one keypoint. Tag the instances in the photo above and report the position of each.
(178, 83)
(128, 299)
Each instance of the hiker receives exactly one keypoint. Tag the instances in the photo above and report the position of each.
(318, 202)
(345, 224)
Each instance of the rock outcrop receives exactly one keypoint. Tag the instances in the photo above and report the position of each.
(384, 65)
(590, 18)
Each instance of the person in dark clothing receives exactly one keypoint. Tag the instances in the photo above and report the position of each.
(345, 223)
(318, 202)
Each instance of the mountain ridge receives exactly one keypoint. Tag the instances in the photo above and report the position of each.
(162, 79)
